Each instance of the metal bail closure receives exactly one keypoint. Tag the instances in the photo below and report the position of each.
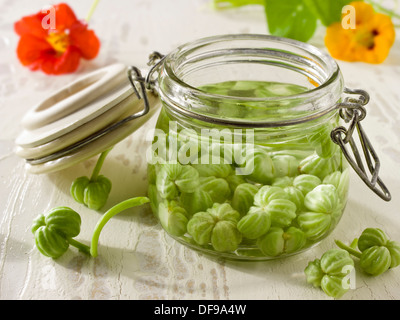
(352, 111)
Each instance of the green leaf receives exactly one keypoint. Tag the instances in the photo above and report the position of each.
(327, 11)
(290, 19)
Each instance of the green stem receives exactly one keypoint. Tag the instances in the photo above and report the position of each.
(354, 243)
(99, 164)
(92, 9)
(350, 250)
(133, 202)
(82, 247)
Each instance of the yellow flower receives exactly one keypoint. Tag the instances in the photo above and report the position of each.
(369, 42)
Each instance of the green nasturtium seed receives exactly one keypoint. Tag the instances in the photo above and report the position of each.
(255, 223)
(318, 166)
(216, 168)
(175, 178)
(321, 141)
(173, 218)
(217, 188)
(322, 198)
(296, 196)
(285, 165)
(314, 224)
(53, 231)
(377, 253)
(371, 237)
(283, 182)
(268, 193)
(225, 236)
(330, 272)
(314, 273)
(333, 286)
(234, 181)
(277, 241)
(218, 226)
(243, 197)
(91, 193)
(394, 249)
(306, 182)
(258, 166)
(375, 260)
(282, 212)
(197, 201)
(341, 182)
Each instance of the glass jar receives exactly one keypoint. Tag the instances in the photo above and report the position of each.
(243, 164)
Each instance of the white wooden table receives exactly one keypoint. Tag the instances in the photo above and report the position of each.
(137, 260)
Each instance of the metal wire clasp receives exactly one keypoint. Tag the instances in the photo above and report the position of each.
(352, 111)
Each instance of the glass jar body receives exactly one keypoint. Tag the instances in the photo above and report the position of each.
(250, 194)
(247, 169)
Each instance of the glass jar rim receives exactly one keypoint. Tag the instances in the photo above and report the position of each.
(180, 96)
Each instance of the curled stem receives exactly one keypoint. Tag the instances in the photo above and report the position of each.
(133, 202)
(349, 249)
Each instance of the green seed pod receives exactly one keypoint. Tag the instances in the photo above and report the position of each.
(371, 237)
(217, 188)
(255, 223)
(197, 201)
(64, 220)
(258, 166)
(285, 165)
(234, 181)
(243, 197)
(296, 196)
(50, 243)
(175, 178)
(306, 182)
(283, 182)
(78, 189)
(321, 141)
(225, 236)
(200, 227)
(318, 166)
(314, 224)
(277, 241)
(322, 198)
(53, 230)
(333, 286)
(96, 193)
(216, 168)
(394, 249)
(335, 262)
(375, 260)
(173, 218)
(282, 212)
(272, 244)
(314, 273)
(295, 239)
(341, 181)
(224, 212)
(267, 193)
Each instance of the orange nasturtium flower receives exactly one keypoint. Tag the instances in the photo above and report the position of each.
(369, 42)
(55, 50)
